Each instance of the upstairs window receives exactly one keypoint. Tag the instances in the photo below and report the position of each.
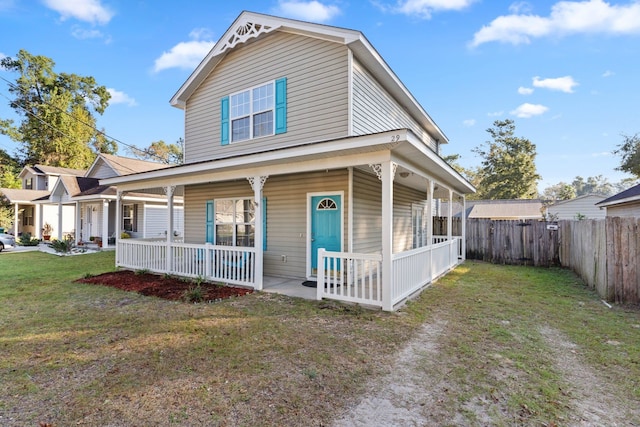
(28, 183)
(253, 113)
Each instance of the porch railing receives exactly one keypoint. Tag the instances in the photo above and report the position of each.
(234, 265)
(357, 277)
(350, 277)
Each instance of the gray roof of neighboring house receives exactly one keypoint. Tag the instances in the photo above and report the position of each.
(629, 195)
(53, 170)
(126, 165)
(505, 209)
(20, 195)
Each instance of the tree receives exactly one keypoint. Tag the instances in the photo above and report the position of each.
(629, 150)
(9, 170)
(559, 191)
(57, 126)
(170, 154)
(593, 185)
(508, 169)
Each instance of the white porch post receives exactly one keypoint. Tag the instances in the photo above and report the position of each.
(15, 220)
(463, 218)
(59, 221)
(257, 182)
(105, 223)
(453, 259)
(430, 226)
(169, 190)
(37, 218)
(429, 212)
(387, 172)
(78, 223)
(119, 195)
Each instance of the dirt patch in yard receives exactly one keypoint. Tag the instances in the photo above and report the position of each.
(167, 287)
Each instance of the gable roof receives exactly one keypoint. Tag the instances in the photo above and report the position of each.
(627, 196)
(125, 165)
(251, 26)
(594, 196)
(506, 209)
(51, 170)
(21, 195)
(76, 184)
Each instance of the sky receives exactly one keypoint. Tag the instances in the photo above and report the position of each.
(566, 72)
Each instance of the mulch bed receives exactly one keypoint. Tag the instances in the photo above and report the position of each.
(171, 288)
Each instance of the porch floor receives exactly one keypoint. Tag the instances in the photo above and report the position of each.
(287, 286)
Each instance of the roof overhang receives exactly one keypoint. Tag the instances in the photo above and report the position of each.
(400, 146)
(250, 26)
(626, 200)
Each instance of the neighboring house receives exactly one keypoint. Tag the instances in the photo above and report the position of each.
(30, 214)
(305, 157)
(623, 204)
(514, 209)
(74, 203)
(93, 205)
(583, 207)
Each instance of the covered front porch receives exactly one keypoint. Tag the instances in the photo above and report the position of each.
(397, 223)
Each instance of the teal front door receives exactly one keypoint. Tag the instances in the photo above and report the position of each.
(325, 226)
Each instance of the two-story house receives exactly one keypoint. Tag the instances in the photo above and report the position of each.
(30, 213)
(305, 157)
(74, 203)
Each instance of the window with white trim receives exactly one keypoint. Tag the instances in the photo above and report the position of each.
(235, 222)
(419, 224)
(129, 218)
(251, 113)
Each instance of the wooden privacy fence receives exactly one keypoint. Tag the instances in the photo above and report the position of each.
(526, 242)
(604, 252)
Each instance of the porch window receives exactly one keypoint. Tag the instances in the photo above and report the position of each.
(235, 222)
(27, 216)
(255, 112)
(419, 224)
(129, 218)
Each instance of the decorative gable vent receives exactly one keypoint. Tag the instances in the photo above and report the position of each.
(243, 32)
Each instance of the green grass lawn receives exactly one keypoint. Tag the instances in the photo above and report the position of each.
(72, 353)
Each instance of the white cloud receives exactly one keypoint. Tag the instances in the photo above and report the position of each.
(425, 8)
(563, 84)
(307, 10)
(84, 10)
(469, 122)
(566, 17)
(608, 73)
(520, 7)
(602, 154)
(525, 90)
(84, 34)
(527, 110)
(186, 55)
(495, 114)
(118, 97)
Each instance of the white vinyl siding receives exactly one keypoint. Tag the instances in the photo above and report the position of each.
(317, 101)
(156, 221)
(374, 110)
(102, 170)
(584, 205)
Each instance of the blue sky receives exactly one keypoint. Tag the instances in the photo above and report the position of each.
(567, 72)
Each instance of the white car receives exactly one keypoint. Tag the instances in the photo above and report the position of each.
(7, 241)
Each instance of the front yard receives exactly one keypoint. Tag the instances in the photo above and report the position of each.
(486, 345)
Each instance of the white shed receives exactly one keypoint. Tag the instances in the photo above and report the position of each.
(583, 207)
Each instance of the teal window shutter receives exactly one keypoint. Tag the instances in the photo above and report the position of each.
(224, 121)
(209, 222)
(281, 105)
(264, 223)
